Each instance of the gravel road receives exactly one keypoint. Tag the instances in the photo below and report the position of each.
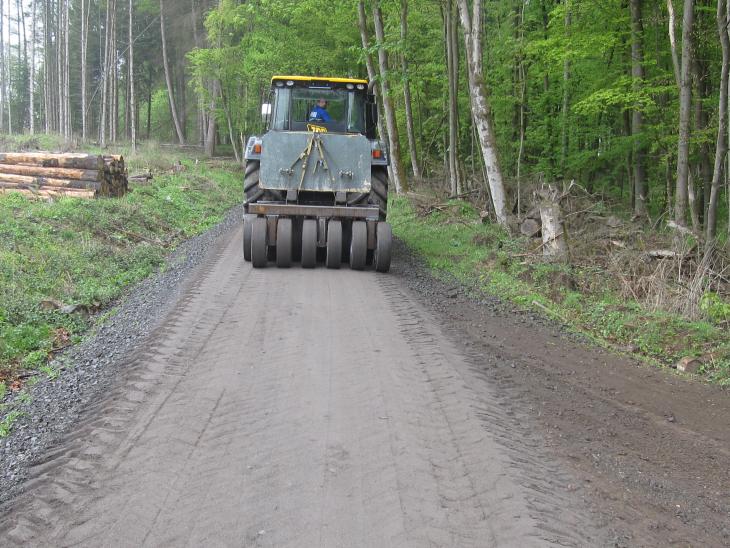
(225, 406)
(296, 408)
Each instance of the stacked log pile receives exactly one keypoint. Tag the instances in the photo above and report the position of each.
(48, 175)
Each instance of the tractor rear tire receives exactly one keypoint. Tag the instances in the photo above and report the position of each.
(252, 185)
(251, 188)
(379, 190)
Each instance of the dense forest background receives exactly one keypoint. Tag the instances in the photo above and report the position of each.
(626, 97)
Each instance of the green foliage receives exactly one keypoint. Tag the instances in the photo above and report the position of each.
(715, 307)
(6, 423)
(87, 252)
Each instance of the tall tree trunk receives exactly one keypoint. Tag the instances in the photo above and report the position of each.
(472, 27)
(407, 92)
(31, 76)
(46, 69)
(721, 144)
(113, 78)
(59, 66)
(521, 119)
(637, 117)
(685, 107)
(401, 185)
(673, 42)
(132, 100)
(105, 77)
(226, 109)
(85, 9)
(566, 93)
(3, 97)
(22, 38)
(67, 73)
(211, 131)
(168, 79)
(452, 71)
(372, 73)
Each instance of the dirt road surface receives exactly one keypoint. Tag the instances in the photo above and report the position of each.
(345, 409)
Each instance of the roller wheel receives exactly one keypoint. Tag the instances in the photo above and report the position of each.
(259, 249)
(283, 243)
(379, 190)
(334, 244)
(309, 243)
(247, 223)
(383, 246)
(358, 245)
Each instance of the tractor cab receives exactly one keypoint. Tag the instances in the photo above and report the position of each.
(321, 105)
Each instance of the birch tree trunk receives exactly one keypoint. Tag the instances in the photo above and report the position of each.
(685, 104)
(472, 27)
(407, 92)
(132, 103)
(168, 79)
(637, 117)
(399, 180)
(721, 144)
(673, 41)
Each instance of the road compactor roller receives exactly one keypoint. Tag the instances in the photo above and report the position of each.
(316, 183)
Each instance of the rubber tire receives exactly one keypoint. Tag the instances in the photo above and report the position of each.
(383, 247)
(309, 243)
(358, 245)
(334, 244)
(251, 190)
(283, 243)
(247, 224)
(379, 190)
(259, 249)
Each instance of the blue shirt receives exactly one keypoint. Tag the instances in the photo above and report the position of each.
(319, 114)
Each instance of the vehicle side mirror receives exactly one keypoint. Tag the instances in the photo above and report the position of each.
(265, 111)
(371, 116)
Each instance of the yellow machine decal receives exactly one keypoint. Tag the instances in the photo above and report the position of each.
(316, 129)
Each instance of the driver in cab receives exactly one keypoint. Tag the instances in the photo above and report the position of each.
(319, 112)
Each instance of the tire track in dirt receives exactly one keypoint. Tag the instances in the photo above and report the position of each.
(298, 408)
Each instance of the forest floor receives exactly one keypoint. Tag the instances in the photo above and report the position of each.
(666, 312)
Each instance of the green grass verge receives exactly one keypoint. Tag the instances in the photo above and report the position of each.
(487, 257)
(85, 253)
